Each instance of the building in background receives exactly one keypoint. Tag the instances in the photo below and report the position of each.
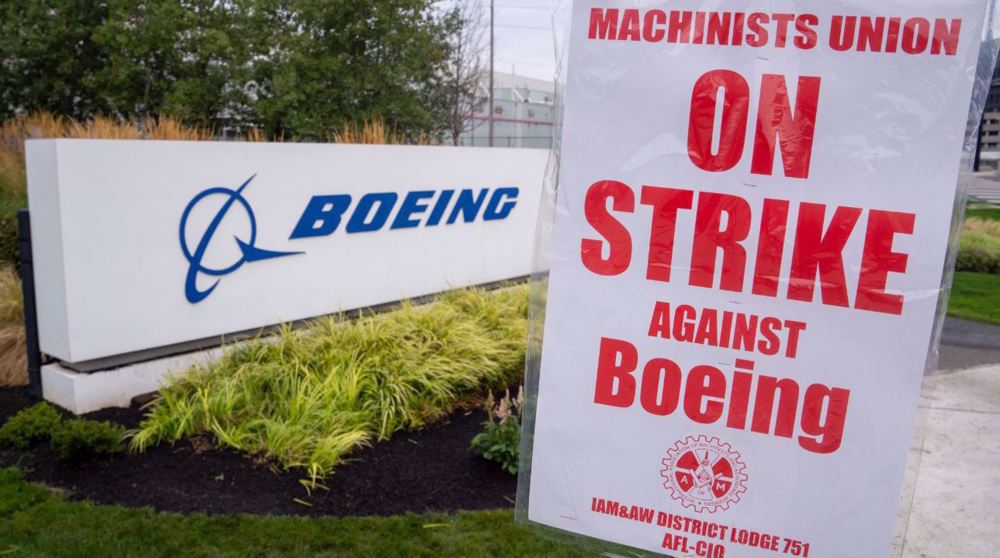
(989, 132)
(523, 114)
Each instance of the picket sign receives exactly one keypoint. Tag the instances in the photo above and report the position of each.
(750, 235)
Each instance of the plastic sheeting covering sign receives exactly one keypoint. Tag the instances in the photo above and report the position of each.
(751, 228)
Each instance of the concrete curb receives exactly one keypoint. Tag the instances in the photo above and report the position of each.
(967, 333)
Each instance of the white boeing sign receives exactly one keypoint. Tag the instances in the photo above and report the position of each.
(143, 244)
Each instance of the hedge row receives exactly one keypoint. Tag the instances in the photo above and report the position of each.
(979, 253)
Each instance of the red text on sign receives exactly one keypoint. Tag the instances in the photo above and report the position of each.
(847, 33)
(724, 225)
(776, 407)
(779, 125)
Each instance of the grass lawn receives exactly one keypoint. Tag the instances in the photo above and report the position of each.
(35, 522)
(990, 212)
(976, 296)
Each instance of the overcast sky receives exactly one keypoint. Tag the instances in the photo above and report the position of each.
(523, 36)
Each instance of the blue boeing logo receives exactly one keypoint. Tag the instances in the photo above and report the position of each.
(248, 251)
(372, 212)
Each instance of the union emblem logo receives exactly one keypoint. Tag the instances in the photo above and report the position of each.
(704, 474)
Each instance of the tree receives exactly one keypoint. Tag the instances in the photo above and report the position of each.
(296, 68)
(184, 58)
(464, 71)
(48, 57)
(341, 61)
(127, 58)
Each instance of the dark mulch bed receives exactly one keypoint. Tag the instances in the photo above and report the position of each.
(428, 470)
(12, 400)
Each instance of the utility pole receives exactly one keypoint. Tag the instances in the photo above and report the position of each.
(491, 71)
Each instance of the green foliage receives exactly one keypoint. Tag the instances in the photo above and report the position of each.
(979, 248)
(310, 396)
(70, 439)
(35, 522)
(9, 247)
(49, 58)
(501, 440)
(80, 438)
(13, 196)
(187, 59)
(983, 211)
(979, 253)
(123, 57)
(976, 296)
(354, 61)
(29, 426)
(299, 68)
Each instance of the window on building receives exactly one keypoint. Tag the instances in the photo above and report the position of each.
(498, 110)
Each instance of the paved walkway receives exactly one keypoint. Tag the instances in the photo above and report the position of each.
(955, 508)
(984, 186)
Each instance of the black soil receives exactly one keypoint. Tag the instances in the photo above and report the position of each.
(427, 470)
(12, 401)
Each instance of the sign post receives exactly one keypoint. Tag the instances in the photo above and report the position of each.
(749, 238)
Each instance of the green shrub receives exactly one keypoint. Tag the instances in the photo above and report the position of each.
(80, 438)
(979, 253)
(13, 196)
(71, 439)
(9, 247)
(308, 397)
(30, 425)
(500, 442)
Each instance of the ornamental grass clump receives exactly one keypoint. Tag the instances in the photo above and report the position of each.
(308, 397)
(13, 352)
